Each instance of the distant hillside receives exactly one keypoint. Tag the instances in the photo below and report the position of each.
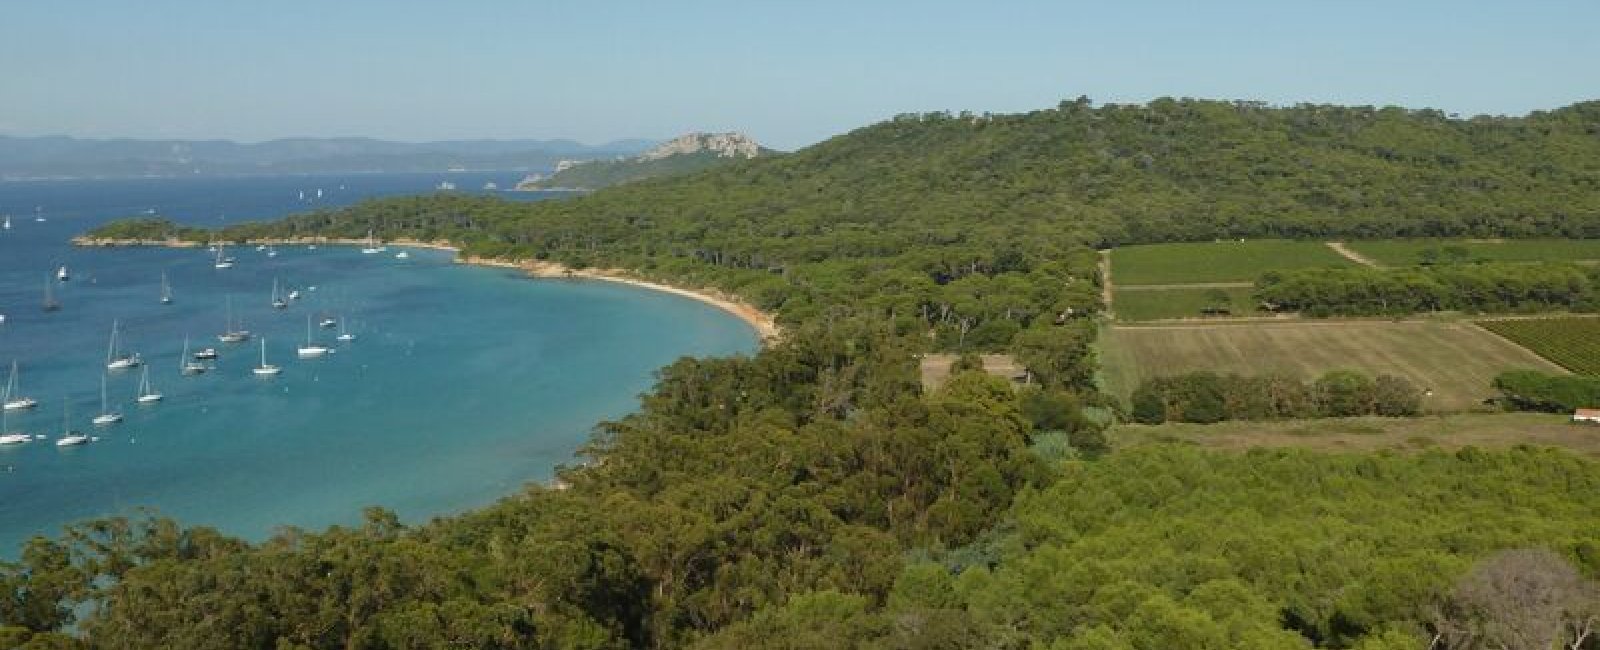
(59, 156)
(682, 155)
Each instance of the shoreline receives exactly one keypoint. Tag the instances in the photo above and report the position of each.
(766, 327)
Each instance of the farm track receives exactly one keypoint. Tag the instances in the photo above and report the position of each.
(1358, 258)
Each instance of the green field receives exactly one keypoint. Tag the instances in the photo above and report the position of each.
(1152, 304)
(1453, 431)
(1456, 360)
(1571, 342)
(1407, 252)
(1227, 261)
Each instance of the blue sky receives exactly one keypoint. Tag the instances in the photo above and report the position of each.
(789, 73)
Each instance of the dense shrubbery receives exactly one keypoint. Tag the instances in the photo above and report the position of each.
(1177, 548)
(1531, 390)
(1206, 397)
(1472, 288)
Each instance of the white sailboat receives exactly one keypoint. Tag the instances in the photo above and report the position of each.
(372, 246)
(14, 399)
(7, 225)
(402, 255)
(147, 393)
(50, 302)
(311, 348)
(62, 275)
(7, 436)
(343, 334)
(272, 252)
(232, 333)
(69, 438)
(265, 369)
(223, 261)
(107, 416)
(116, 359)
(166, 290)
(191, 365)
(277, 300)
(328, 322)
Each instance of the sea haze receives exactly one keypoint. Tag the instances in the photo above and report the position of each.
(463, 383)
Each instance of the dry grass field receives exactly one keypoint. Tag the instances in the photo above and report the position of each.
(1486, 430)
(1455, 360)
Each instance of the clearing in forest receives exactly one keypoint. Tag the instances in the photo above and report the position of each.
(1457, 361)
(1223, 261)
(1409, 252)
(1487, 430)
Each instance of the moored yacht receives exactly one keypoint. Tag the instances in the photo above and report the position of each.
(107, 416)
(231, 332)
(190, 364)
(50, 302)
(7, 436)
(14, 400)
(147, 393)
(69, 438)
(372, 246)
(311, 348)
(265, 369)
(116, 359)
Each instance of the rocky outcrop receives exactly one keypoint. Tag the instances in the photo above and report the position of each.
(682, 155)
(724, 145)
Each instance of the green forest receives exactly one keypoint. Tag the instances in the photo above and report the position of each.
(815, 496)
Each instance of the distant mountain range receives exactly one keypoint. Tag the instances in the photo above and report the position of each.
(67, 157)
(681, 155)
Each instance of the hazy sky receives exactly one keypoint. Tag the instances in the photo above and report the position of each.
(789, 73)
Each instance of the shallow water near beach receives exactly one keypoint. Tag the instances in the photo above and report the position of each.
(461, 385)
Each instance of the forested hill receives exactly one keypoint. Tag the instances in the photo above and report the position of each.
(1187, 169)
(978, 225)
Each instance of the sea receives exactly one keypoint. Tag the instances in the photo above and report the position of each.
(461, 385)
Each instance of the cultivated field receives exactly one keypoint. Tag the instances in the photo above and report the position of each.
(1138, 303)
(1571, 342)
(1488, 430)
(1455, 360)
(1407, 252)
(1228, 261)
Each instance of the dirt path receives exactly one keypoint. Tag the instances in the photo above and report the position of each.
(1105, 283)
(1358, 258)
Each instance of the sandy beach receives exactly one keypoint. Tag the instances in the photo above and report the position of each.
(764, 324)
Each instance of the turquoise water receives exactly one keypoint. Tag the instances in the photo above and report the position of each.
(463, 383)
